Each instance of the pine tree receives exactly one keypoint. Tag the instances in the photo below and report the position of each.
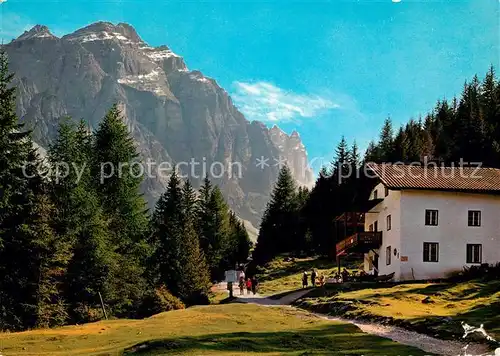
(31, 256)
(490, 113)
(189, 201)
(275, 231)
(386, 141)
(240, 243)
(399, 151)
(354, 159)
(80, 221)
(182, 265)
(206, 226)
(194, 272)
(53, 255)
(33, 261)
(372, 153)
(14, 148)
(213, 228)
(167, 235)
(90, 268)
(117, 181)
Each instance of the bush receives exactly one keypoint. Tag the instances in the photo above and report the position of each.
(86, 314)
(157, 301)
(485, 271)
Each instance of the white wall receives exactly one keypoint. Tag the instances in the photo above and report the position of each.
(390, 206)
(452, 232)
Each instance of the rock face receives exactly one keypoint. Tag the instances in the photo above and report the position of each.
(174, 114)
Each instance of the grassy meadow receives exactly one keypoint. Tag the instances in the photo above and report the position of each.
(230, 329)
(279, 276)
(447, 305)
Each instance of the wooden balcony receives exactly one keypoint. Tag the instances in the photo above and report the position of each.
(360, 242)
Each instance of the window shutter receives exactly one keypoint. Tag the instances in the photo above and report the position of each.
(434, 252)
(426, 252)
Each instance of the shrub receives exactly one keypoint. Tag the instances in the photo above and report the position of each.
(157, 301)
(86, 314)
(485, 271)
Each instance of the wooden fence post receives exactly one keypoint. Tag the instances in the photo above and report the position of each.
(102, 305)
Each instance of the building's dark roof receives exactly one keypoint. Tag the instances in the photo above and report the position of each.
(467, 179)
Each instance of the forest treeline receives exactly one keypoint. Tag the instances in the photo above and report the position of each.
(68, 240)
(458, 131)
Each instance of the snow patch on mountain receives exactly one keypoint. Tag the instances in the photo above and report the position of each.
(151, 81)
(101, 36)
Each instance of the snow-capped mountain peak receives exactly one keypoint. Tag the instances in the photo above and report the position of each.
(38, 31)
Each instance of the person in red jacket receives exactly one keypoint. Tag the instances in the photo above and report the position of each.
(249, 285)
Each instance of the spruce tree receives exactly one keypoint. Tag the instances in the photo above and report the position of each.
(239, 243)
(399, 139)
(219, 241)
(194, 272)
(14, 148)
(386, 141)
(206, 226)
(276, 232)
(354, 159)
(117, 179)
(167, 224)
(32, 258)
(213, 228)
(181, 263)
(372, 153)
(80, 220)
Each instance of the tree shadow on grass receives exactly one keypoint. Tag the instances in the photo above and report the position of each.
(335, 339)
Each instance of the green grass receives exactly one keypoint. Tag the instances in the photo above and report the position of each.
(231, 329)
(217, 296)
(472, 302)
(400, 304)
(279, 276)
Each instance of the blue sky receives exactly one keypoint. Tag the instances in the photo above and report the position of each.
(324, 68)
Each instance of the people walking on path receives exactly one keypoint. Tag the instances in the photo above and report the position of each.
(255, 285)
(304, 280)
(242, 285)
(313, 278)
(249, 285)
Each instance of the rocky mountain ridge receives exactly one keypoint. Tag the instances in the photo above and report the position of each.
(174, 114)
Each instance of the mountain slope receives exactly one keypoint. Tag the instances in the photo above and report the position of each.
(174, 114)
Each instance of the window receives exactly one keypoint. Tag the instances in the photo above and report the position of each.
(431, 252)
(389, 225)
(388, 255)
(474, 218)
(375, 226)
(386, 191)
(474, 253)
(375, 194)
(431, 217)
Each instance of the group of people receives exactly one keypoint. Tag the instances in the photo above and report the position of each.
(345, 276)
(248, 284)
(315, 279)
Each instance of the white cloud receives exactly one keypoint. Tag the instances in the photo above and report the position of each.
(266, 102)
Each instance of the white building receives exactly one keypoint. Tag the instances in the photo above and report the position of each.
(425, 222)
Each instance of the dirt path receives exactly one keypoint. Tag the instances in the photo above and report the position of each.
(403, 336)
(421, 341)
